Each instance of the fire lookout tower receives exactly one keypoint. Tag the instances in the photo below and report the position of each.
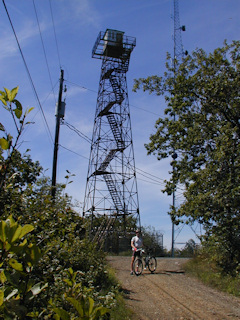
(111, 188)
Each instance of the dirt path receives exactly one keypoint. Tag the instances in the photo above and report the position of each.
(169, 294)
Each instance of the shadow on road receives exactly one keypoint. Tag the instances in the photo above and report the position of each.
(127, 294)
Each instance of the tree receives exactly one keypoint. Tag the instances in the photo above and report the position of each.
(153, 240)
(202, 126)
(7, 142)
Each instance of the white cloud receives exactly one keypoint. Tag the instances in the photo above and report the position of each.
(81, 10)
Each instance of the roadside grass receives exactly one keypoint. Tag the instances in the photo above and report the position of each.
(211, 275)
(120, 310)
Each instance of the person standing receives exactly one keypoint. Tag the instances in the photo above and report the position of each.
(136, 243)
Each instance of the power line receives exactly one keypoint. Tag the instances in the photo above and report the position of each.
(156, 183)
(44, 51)
(150, 174)
(156, 114)
(154, 178)
(55, 36)
(73, 152)
(82, 135)
(28, 72)
(85, 88)
(80, 86)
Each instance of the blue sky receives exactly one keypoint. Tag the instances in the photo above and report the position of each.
(68, 44)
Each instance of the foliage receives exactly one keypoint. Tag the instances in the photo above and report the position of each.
(152, 240)
(202, 128)
(18, 258)
(7, 142)
(84, 305)
(44, 241)
(190, 250)
(204, 268)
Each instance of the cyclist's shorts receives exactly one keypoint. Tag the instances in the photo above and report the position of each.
(136, 253)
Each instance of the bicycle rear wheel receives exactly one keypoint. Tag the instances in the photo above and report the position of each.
(152, 264)
(138, 267)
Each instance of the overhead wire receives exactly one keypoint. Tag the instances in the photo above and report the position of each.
(44, 51)
(153, 178)
(28, 72)
(82, 135)
(55, 36)
(140, 172)
(71, 127)
(73, 151)
(85, 88)
(150, 177)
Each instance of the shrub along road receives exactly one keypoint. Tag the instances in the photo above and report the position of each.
(170, 294)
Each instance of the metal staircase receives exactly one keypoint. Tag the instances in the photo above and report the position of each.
(116, 131)
(114, 192)
(103, 229)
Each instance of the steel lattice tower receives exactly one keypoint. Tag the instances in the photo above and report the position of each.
(178, 55)
(178, 46)
(111, 187)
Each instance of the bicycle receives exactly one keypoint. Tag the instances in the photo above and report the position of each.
(149, 261)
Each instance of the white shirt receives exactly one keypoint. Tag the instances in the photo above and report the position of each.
(137, 242)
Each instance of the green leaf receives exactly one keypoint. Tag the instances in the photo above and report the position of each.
(18, 113)
(18, 110)
(4, 144)
(3, 278)
(98, 312)
(1, 297)
(15, 265)
(25, 230)
(29, 110)
(3, 231)
(91, 304)
(16, 234)
(69, 282)
(77, 305)
(17, 104)
(3, 100)
(62, 313)
(11, 94)
(2, 127)
(35, 254)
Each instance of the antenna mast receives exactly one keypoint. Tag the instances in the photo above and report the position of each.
(178, 55)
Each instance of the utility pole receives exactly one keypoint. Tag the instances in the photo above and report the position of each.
(58, 115)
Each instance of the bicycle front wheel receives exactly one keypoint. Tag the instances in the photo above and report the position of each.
(152, 264)
(138, 267)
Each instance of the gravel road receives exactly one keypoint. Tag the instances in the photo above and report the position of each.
(169, 294)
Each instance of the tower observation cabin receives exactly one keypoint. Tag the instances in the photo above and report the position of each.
(114, 44)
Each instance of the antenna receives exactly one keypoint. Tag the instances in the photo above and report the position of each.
(178, 55)
(178, 46)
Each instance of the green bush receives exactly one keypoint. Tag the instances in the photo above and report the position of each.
(18, 286)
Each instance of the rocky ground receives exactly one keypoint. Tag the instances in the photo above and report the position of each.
(170, 294)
